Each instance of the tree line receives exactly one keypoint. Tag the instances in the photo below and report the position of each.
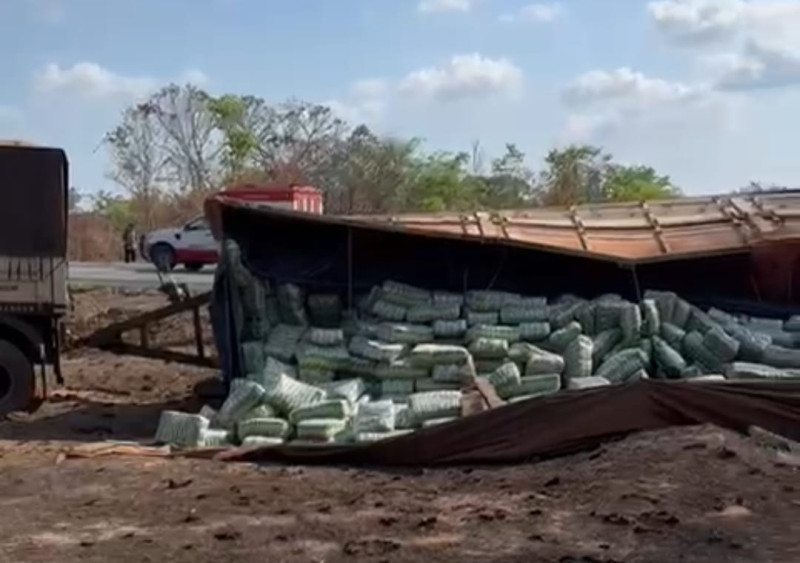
(170, 151)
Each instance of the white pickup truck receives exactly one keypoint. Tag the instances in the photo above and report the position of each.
(192, 245)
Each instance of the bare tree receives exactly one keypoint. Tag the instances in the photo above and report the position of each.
(138, 159)
(190, 138)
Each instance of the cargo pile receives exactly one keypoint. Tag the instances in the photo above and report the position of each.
(399, 359)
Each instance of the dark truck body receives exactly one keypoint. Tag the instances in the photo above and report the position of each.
(33, 267)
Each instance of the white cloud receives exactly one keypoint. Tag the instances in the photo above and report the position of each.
(534, 13)
(464, 76)
(626, 85)
(437, 6)
(90, 80)
(371, 88)
(194, 77)
(602, 101)
(365, 103)
(760, 66)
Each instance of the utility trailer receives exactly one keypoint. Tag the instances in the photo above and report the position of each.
(33, 268)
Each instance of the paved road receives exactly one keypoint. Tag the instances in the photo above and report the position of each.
(134, 276)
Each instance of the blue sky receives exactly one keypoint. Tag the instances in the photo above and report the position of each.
(707, 91)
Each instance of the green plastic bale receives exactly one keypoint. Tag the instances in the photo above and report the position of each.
(792, 324)
(621, 366)
(325, 336)
(578, 358)
(696, 352)
(630, 321)
(322, 357)
(489, 318)
(396, 387)
(388, 311)
(505, 378)
(181, 429)
(692, 372)
(338, 409)
(682, 313)
(403, 419)
(287, 394)
(315, 376)
(325, 310)
(490, 300)
(536, 385)
(261, 442)
(350, 390)
(560, 339)
(283, 342)
(215, 438)
(489, 365)
(438, 421)
(673, 335)
(454, 373)
(665, 302)
(585, 316)
(257, 329)
(400, 369)
(260, 411)
(777, 337)
(646, 346)
(748, 370)
(429, 384)
(534, 332)
(522, 352)
(593, 382)
(489, 348)
(723, 346)
(450, 329)
(722, 317)
(376, 416)
(402, 333)
(445, 299)
(498, 332)
(291, 305)
(404, 294)
(435, 404)
(264, 427)
(780, 357)
(429, 355)
(518, 314)
(699, 321)
(544, 362)
(242, 398)
(375, 350)
(372, 437)
(563, 315)
(607, 315)
(668, 359)
(433, 312)
(638, 375)
(360, 367)
(320, 429)
(603, 343)
(651, 320)
(751, 344)
(253, 356)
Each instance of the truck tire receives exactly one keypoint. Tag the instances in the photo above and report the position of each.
(17, 379)
(163, 256)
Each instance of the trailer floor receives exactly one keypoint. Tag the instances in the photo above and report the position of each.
(692, 494)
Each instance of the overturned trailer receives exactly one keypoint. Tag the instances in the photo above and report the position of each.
(711, 251)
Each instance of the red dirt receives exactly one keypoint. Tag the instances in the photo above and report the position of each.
(697, 494)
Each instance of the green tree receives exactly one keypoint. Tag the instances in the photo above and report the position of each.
(637, 183)
(575, 174)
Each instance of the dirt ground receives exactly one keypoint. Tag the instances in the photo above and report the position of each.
(691, 495)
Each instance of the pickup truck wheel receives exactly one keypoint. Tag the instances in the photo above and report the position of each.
(194, 266)
(17, 379)
(163, 256)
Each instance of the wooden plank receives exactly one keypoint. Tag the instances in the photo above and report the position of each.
(112, 332)
(122, 348)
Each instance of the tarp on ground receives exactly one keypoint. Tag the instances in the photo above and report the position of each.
(563, 424)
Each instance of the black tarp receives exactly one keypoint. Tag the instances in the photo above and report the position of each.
(33, 216)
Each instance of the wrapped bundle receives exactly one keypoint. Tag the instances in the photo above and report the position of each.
(505, 378)
(338, 409)
(429, 384)
(592, 382)
(326, 336)
(287, 394)
(404, 294)
(499, 332)
(560, 339)
(429, 355)
(531, 313)
(668, 359)
(721, 345)
(243, 397)
(543, 362)
(751, 344)
(621, 366)
(532, 386)
(447, 299)
(534, 332)
(291, 305)
(432, 312)
(215, 438)
(261, 442)
(181, 429)
(375, 350)
(264, 427)
(389, 311)
(399, 333)
(435, 404)
(490, 300)
(450, 329)
(377, 416)
(323, 430)
(488, 318)
(578, 358)
(282, 342)
(350, 390)
(489, 348)
(603, 343)
(325, 310)
(396, 387)
(330, 358)
(672, 335)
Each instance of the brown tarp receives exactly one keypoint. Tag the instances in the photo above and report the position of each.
(565, 423)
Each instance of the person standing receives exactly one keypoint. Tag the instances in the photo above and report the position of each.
(129, 243)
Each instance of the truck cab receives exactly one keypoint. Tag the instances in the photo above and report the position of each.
(33, 268)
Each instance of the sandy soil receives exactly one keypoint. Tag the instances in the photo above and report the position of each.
(698, 494)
